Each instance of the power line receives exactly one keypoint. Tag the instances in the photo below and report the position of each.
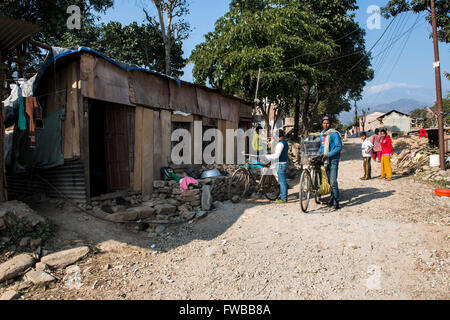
(409, 33)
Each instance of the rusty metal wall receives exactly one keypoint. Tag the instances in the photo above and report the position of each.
(67, 179)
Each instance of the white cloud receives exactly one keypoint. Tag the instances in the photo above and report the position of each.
(388, 86)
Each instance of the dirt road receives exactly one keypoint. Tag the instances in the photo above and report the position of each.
(390, 241)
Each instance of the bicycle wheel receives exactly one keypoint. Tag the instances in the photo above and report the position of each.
(270, 187)
(305, 190)
(238, 185)
(317, 179)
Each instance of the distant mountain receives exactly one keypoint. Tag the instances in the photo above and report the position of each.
(402, 105)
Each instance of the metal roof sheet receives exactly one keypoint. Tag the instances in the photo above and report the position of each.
(14, 32)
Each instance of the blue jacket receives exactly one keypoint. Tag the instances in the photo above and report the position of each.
(335, 145)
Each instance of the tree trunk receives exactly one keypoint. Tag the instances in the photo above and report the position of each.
(164, 33)
(297, 118)
(305, 112)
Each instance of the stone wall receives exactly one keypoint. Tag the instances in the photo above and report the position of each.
(168, 204)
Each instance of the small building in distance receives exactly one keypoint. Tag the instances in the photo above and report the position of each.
(395, 121)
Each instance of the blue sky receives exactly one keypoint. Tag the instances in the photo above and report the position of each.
(403, 59)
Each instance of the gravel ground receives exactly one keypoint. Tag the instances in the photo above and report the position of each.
(389, 241)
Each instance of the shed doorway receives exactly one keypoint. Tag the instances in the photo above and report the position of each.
(110, 142)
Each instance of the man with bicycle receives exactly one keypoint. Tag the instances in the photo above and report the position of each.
(281, 155)
(330, 149)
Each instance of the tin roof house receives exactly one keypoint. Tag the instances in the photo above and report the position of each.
(107, 126)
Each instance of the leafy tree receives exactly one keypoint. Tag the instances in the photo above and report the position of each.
(305, 50)
(395, 7)
(173, 28)
(135, 44)
(346, 73)
(52, 17)
(265, 34)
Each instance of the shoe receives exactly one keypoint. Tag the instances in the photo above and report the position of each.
(336, 206)
(387, 179)
(327, 203)
(381, 178)
(280, 202)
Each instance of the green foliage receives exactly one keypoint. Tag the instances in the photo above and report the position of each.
(135, 44)
(395, 7)
(312, 53)
(430, 122)
(18, 229)
(52, 17)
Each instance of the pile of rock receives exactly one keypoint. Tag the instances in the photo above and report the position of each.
(20, 227)
(196, 198)
(37, 271)
(168, 203)
(435, 175)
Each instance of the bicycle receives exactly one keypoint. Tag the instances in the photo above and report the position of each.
(243, 180)
(310, 182)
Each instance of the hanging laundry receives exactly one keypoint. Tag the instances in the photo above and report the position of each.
(22, 119)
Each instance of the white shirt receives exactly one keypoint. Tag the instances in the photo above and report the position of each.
(278, 150)
(366, 145)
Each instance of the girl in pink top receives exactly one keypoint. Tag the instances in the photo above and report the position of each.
(377, 148)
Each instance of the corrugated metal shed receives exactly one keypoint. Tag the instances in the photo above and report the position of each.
(14, 32)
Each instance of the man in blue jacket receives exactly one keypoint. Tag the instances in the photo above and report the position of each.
(330, 149)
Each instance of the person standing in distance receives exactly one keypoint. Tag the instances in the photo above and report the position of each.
(281, 155)
(330, 149)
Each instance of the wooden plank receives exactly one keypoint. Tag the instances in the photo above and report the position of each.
(233, 126)
(208, 104)
(209, 122)
(181, 118)
(75, 97)
(70, 118)
(157, 146)
(221, 126)
(183, 98)
(111, 83)
(245, 111)
(147, 151)
(138, 140)
(166, 132)
(85, 146)
(87, 64)
(143, 83)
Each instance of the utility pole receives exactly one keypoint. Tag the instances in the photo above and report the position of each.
(356, 118)
(437, 70)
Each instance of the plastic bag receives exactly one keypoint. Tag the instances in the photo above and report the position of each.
(325, 187)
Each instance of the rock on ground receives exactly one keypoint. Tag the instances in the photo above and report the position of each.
(39, 277)
(14, 267)
(64, 258)
(206, 198)
(21, 211)
(10, 295)
(73, 278)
